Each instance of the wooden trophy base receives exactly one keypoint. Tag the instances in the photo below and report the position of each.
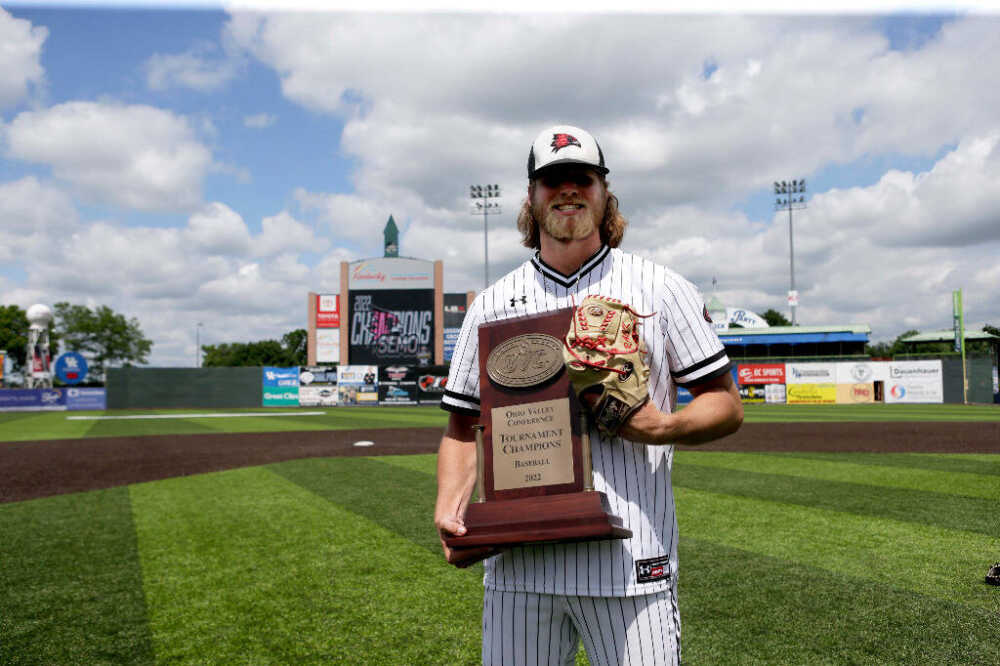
(580, 516)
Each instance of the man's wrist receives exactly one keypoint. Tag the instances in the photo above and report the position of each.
(667, 428)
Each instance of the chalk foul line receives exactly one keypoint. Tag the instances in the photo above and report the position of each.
(216, 415)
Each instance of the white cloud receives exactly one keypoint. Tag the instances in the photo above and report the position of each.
(135, 156)
(27, 205)
(693, 114)
(170, 278)
(218, 229)
(348, 216)
(33, 215)
(888, 254)
(672, 132)
(282, 233)
(198, 68)
(259, 120)
(21, 69)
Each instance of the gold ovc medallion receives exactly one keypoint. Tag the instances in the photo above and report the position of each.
(525, 360)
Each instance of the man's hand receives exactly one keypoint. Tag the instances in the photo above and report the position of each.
(456, 479)
(452, 524)
(715, 412)
(448, 525)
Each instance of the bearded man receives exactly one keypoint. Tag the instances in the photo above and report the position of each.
(618, 596)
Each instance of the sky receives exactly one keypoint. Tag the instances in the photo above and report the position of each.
(189, 165)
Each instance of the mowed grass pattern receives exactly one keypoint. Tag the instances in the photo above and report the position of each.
(785, 559)
(27, 426)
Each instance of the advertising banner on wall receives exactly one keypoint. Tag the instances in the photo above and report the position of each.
(86, 398)
(853, 394)
(280, 386)
(454, 315)
(328, 345)
(397, 385)
(745, 318)
(327, 310)
(32, 400)
(317, 386)
(811, 394)
(862, 372)
(390, 327)
(391, 273)
(810, 373)
(430, 386)
(914, 381)
(357, 385)
(774, 394)
(752, 393)
(450, 340)
(71, 367)
(760, 373)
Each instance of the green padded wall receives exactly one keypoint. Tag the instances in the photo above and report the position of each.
(152, 388)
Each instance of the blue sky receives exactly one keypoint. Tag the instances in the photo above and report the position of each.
(207, 165)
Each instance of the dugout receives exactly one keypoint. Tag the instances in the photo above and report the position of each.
(154, 388)
(779, 343)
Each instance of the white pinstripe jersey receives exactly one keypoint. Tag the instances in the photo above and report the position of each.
(683, 350)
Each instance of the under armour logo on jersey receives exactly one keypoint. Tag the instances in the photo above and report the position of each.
(513, 301)
(657, 568)
(562, 140)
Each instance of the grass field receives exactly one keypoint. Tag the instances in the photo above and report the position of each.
(22, 426)
(785, 558)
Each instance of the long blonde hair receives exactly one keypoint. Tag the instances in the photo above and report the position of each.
(612, 225)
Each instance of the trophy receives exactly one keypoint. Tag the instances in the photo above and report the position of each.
(534, 480)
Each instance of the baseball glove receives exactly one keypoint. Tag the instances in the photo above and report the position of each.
(993, 575)
(605, 361)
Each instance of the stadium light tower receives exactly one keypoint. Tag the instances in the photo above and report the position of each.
(481, 195)
(786, 199)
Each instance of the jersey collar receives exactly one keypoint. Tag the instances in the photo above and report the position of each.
(569, 280)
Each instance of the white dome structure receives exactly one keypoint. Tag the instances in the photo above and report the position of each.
(39, 315)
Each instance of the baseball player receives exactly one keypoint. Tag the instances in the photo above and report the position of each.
(618, 596)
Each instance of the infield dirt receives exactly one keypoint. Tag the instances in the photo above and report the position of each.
(35, 469)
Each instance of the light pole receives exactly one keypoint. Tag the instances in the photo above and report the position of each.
(197, 344)
(788, 190)
(482, 194)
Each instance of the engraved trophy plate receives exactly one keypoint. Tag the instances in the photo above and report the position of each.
(532, 445)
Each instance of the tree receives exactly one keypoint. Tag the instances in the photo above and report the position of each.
(889, 349)
(14, 335)
(992, 330)
(291, 351)
(105, 337)
(775, 318)
(297, 344)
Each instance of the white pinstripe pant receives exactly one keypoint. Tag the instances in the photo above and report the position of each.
(530, 629)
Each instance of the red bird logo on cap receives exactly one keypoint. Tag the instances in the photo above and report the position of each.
(563, 140)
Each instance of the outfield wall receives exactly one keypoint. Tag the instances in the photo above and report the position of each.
(154, 388)
(980, 374)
